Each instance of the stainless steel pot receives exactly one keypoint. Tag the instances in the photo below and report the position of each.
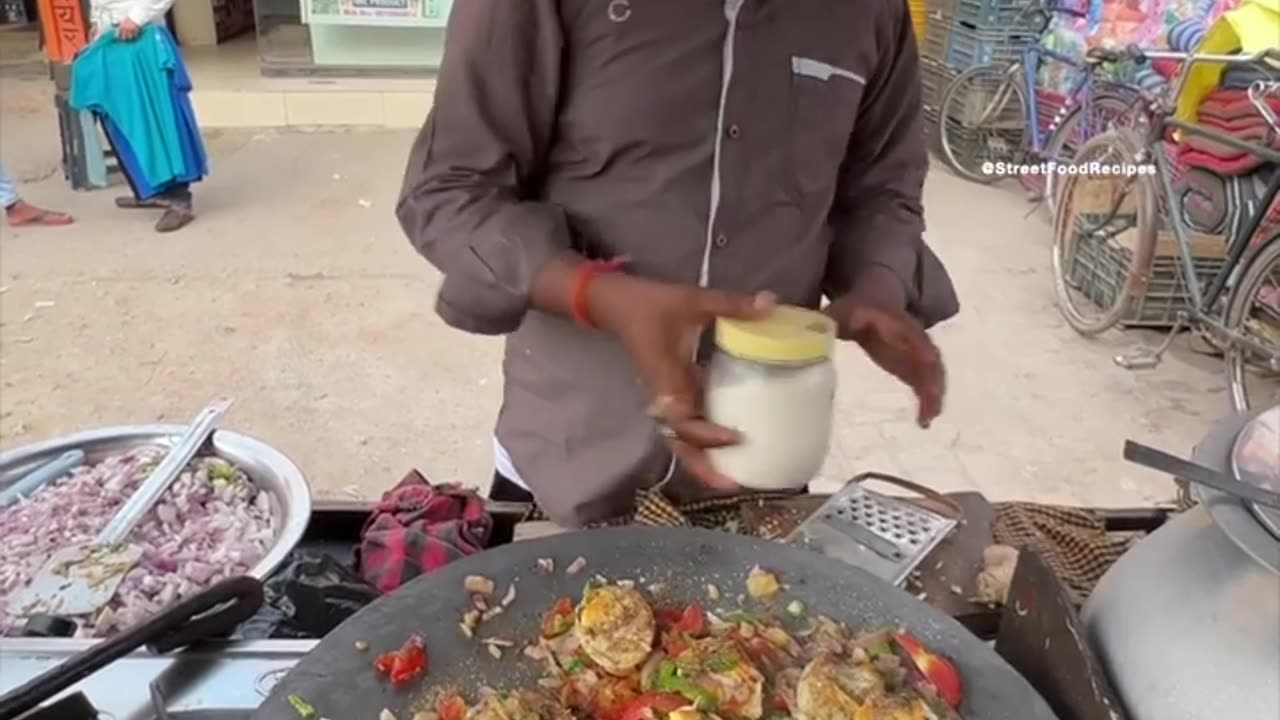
(269, 469)
(1187, 623)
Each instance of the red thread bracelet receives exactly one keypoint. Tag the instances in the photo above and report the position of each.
(587, 272)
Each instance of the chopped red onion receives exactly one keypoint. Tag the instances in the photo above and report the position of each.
(213, 523)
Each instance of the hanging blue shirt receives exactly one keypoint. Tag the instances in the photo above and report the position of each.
(140, 88)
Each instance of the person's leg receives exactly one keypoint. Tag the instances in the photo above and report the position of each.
(178, 209)
(178, 194)
(17, 212)
(8, 191)
(504, 490)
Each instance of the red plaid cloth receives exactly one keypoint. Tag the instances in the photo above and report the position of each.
(419, 527)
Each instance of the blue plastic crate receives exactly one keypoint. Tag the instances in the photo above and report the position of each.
(969, 46)
(935, 78)
(933, 46)
(988, 13)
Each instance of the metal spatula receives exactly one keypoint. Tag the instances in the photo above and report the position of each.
(82, 578)
(1199, 474)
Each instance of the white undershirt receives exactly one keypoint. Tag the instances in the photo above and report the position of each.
(502, 463)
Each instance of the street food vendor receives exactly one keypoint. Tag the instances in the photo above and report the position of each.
(599, 180)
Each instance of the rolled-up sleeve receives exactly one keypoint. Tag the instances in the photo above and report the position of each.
(877, 218)
(465, 204)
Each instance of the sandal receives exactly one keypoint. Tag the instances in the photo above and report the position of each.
(174, 218)
(129, 202)
(42, 218)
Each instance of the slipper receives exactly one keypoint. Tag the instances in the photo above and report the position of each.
(174, 218)
(129, 202)
(43, 218)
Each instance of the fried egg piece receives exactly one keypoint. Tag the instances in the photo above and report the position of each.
(723, 670)
(615, 627)
(831, 689)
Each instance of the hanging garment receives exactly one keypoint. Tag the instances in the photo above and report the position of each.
(140, 89)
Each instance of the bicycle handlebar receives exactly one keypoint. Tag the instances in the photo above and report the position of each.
(1259, 90)
(1133, 52)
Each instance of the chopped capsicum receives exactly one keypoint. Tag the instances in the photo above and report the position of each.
(670, 680)
(304, 709)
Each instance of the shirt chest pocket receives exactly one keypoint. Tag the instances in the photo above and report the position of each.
(823, 109)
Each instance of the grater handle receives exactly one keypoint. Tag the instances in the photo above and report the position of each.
(955, 512)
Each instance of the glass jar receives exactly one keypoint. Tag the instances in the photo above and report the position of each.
(772, 380)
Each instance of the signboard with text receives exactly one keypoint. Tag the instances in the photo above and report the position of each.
(380, 12)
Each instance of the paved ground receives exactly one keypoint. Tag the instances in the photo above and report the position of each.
(296, 293)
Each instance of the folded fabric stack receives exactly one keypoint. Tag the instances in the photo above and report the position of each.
(140, 89)
(1216, 205)
(1229, 110)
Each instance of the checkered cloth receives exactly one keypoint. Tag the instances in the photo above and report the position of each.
(417, 528)
(654, 509)
(1073, 541)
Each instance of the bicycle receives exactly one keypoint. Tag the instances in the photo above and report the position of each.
(1224, 309)
(1006, 128)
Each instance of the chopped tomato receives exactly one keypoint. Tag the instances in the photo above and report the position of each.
(693, 621)
(937, 669)
(558, 620)
(668, 617)
(652, 706)
(405, 664)
(675, 644)
(451, 707)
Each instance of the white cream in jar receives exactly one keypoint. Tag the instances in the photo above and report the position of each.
(772, 380)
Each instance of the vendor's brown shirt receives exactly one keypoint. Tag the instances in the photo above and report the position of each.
(741, 144)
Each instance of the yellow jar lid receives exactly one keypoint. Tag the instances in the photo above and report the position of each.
(787, 335)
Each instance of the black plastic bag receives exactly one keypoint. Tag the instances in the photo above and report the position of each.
(311, 594)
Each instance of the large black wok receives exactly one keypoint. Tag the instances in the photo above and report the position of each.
(339, 681)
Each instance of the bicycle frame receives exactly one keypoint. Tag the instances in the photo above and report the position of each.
(1161, 112)
(1203, 302)
(1030, 65)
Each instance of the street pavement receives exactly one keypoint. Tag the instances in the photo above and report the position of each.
(296, 293)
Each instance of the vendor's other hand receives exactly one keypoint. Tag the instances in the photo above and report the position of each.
(659, 324)
(898, 344)
(127, 29)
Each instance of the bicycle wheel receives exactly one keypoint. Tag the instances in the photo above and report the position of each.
(1104, 236)
(1253, 310)
(1103, 112)
(982, 119)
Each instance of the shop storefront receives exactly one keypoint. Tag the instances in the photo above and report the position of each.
(350, 37)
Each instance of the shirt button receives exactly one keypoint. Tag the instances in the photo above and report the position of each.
(721, 241)
(734, 132)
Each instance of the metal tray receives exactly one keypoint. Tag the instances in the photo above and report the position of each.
(269, 469)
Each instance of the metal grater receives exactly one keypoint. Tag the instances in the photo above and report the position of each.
(884, 535)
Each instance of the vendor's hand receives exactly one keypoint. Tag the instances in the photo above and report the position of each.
(127, 29)
(897, 343)
(659, 324)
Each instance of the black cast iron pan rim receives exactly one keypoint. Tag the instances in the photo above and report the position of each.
(339, 681)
